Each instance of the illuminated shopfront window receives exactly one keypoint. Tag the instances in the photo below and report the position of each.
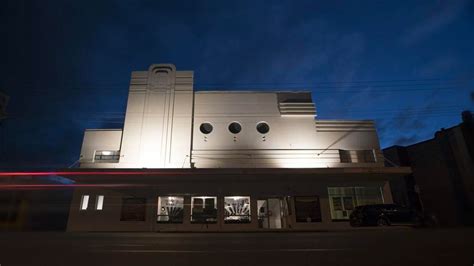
(84, 202)
(204, 209)
(170, 209)
(343, 200)
(237, 209)
(99, 202)
(307, 209)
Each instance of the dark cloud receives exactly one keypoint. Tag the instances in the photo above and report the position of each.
(408, 120)
(406, 140)
(394, 129)
(435, 19)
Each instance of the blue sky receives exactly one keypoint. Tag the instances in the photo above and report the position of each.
(409, 65)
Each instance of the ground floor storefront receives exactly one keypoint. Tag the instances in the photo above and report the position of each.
(226, 200)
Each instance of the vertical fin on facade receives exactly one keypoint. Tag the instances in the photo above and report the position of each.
(158, 120)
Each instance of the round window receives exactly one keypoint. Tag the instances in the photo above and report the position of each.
(235, 127)
(206, 128)
(263, 128)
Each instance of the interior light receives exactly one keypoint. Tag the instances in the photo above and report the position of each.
(237, 197)
(106, 153)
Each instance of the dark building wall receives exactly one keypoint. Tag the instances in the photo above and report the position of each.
(432, 176)
(443, 170)
(49, 210)
(402, 187)
(35, 208)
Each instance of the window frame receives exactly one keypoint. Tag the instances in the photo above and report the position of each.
(317, 211)
(264, 124)
(207, 215)
(114, 157)
(234, 127)
(84, 205)
(170, 221)
(142, 204)
(249, 215)
(360, 196)
(204, 130)
(99, 202)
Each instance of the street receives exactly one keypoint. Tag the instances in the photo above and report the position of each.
(392, 246)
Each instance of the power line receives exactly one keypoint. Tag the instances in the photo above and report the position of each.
(245, 87)
(121, 114)
(368, 114)
(320, 84)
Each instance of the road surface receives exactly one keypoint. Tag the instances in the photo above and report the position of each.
(359, 247)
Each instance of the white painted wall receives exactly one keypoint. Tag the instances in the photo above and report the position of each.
(96, 140)
(293, 140)
(159, 131)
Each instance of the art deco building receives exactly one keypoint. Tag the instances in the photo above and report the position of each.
(224, 160)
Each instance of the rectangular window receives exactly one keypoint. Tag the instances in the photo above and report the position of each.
(84, 202)
(343, 200)
(368, 195)
(345, 156)
(357, 156)
(99, 203)
(107, 156)
(237, 210)
(348, 203)
(133, 209)
(204, 209)
(307, 209)
(170, 209)
(336, 202)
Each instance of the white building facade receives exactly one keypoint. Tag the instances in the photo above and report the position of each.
(229, 160)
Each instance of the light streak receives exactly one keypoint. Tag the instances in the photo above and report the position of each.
(52, 186)
(64, 173)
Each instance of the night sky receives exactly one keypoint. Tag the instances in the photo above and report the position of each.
(66, 64)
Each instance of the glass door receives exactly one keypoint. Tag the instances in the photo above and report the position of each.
(272, 213)
(262, 209)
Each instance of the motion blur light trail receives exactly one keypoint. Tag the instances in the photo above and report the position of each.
(62, 186)
(82, 173)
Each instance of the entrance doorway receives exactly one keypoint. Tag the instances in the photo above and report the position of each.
(272, 213)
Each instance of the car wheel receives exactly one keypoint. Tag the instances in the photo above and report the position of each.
(382, 222)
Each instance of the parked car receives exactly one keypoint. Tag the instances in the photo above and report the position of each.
(384, 215)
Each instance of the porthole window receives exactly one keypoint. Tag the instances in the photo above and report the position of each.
(206, 128)
(263, 128)
(235, 127)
